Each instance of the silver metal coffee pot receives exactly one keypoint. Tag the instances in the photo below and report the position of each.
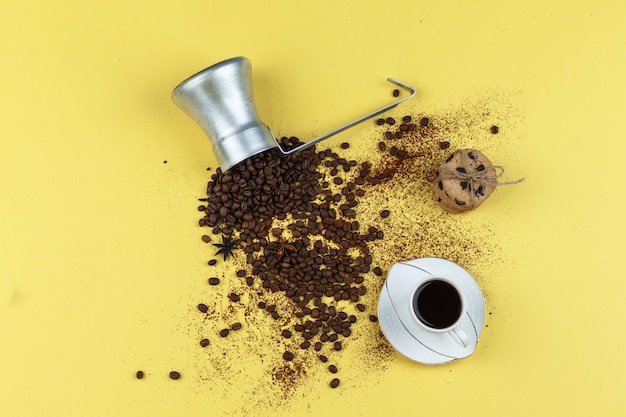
(219, 99)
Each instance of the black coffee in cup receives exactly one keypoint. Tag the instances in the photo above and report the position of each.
(437, 304)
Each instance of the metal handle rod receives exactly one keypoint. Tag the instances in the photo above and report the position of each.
(353, 123)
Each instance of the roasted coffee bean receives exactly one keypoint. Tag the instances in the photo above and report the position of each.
(286, 334)
(424, 121)
(212, 262)
(233, 297)
(380, 122)
(494, 129)
(389, 135)
(174, 375)
(206, 238)
(407, 119)
(139, 374)
(332, 369)
(378, 271)
(214, 281)
(288, 356)
(396, 92)
(444, 145)
(323, 358)
(385, 213)
(334, 383)
(224, 332)
(241, 273)
(337, 346)
(360, 307)
(398, 134)
(317, 346)
(236, 326)
(373, 318)
(204, 342)
(382, 146)
(305, 345)
(249, 281)
(390, 121)
(203, 308)
(261, 304)
(345, 145)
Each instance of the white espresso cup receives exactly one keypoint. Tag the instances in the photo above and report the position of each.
(438, 306)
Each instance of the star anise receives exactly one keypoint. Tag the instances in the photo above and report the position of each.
(226, 247)
(284, 246)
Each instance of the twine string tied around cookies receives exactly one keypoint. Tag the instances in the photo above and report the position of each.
(483, 177)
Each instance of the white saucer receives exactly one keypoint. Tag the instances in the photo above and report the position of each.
(400, 326)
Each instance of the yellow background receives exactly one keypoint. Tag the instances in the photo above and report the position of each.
(99, 244)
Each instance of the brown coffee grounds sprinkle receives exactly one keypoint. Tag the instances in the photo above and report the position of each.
(327, 205)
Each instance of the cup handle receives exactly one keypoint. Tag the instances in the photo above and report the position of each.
(460, 336)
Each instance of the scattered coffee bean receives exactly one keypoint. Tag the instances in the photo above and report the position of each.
(380, 122)
(233, 297)
(373, 318)
(236, 326)
(378, 271)
(139, 374)
(332, 369)
(407, 119)
(305, 345)
(224, 332)
(286, 334)
(174, 375)
(261, 304)
(345, 145)
(334, 383)
(424, 121)
(337, 346)
(204, 342)
(241, 273)
(212, 262)
(385, 213)
(203, 308)
(494, 129)
(444, 145)
(360, 307)
(288, 356)
(206, 238)
(396, 92)
(382, 146)
(390, 121)
(214, 281)
(323, 358)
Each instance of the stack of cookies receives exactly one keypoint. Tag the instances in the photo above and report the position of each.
(464, 181)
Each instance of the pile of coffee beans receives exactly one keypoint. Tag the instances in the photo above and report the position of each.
(319, 256)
